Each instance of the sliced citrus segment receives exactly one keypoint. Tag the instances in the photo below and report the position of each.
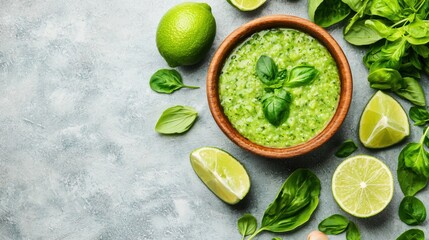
(383, 122)
(362, 185)
(221, 173)
(246, 5)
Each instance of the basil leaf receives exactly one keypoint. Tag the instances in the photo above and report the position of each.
(301, 75)
(412, 234)
(177, 119)
(412, 211)
(387, 9)
(419, 115)
(247, 224)
(426, 140)
(352, 232)
(417, 158)
(421, 50)
(418, 33)
(266, 69)
(326, 13)
(374, 54)
(276, 238)
(384, 31)
(347, 147)
(334, 224)
(294, 204)
(355, 5)
(167, 81)
(412, 91)
(359, 34)
(409, 181)
(385, 79)
(276, 106)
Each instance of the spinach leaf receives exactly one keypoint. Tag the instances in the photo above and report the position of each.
(347, 147)
(267, 70)
(412, 234)
(247, 225)
(326, 13)
(360, 34)
(412, 211)
(352, 232)
(177, 119)
(420, 115)
(167, 81)
(385, 79)
(389, 9)
(294, 204)
(334, 224)
(409, 181)
(276, 106)
(301, 75)
(412, 91)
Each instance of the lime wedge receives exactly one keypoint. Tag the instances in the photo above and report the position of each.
(383, 122)
(246, 5)
(221, 173)
(362, 185)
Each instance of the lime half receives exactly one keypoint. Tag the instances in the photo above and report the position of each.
(221, 173)
(383, 122)
(362, 185)
(246, 5)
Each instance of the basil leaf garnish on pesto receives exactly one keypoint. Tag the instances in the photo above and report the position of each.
(267, 70)
(177, 119)
(167, 81)
(301, 75)
(276, 106)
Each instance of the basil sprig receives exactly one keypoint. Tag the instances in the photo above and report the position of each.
(177, 119)
(412, 234)
(412, 211)
(293, 206)
(346, 149)
(167, 81)
(337, 224)
(276, 101)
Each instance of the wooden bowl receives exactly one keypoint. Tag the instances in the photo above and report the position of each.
(241, 34)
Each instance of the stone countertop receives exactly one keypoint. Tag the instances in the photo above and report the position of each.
(79, 156)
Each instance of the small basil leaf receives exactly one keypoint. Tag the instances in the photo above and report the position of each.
(301, 75)
(329, 12)
(247, 224)
(334, 224)
(276, 106)
(347, 147)
(409, 181)
(419, 115)
(177, 119)
(416, 158)
(412, 211)
(359, 34)
(167, 81)
(294, 203)
(412, 91)
(352, 232)
(412, 234)
(266, 69)
(385, 79)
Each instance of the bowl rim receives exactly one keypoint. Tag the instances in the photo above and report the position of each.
(236, 38)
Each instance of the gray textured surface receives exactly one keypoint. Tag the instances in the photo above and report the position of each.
(79, 157)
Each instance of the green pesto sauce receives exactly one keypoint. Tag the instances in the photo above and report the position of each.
(312, 106)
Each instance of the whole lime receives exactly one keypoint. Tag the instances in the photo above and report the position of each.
(186, 33)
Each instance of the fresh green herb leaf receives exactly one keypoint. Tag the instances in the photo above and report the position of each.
(419, 115)
(387, 9)
(385, 79)
(334, 224)
(167, 81)
(276, 106)
(412, 234)
(267, 70)
(247, 225)
(326, 13)
(412, 211)
(277, 238)
(301, 75)
(346, 149)
(355, 5)
(421, 50)
(177, 119)
(384, 31)
(412, 91)
(417, 158)
(352, 232)
(426, 140)
(359, 34)
(409, 181)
